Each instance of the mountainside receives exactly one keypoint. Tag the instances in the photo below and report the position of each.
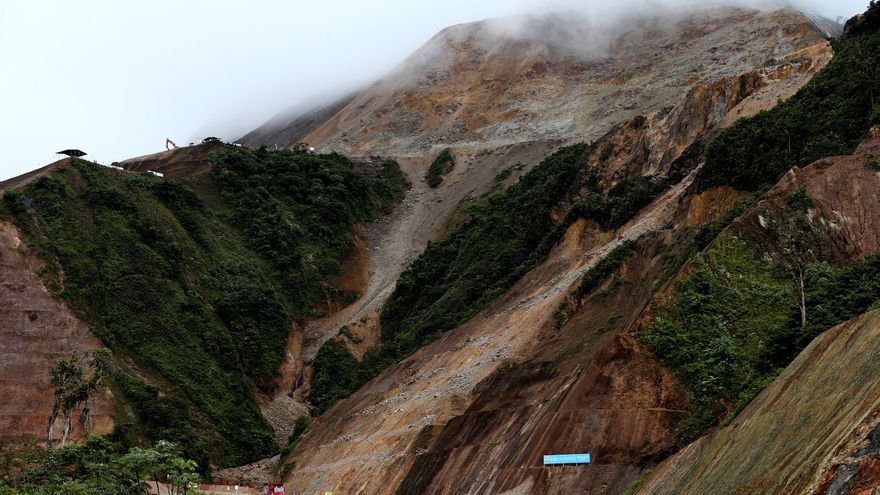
(35, 330)
(656, 103)
(475, 410)
(483, 85)
(193, 284)
(655, 240)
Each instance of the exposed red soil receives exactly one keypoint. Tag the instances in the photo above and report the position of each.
(35, 330)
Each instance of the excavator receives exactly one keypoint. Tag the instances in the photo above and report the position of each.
(170, 145)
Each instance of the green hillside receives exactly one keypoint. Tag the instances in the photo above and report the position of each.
(194, 285)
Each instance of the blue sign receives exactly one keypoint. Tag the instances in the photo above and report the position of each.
(566, 459)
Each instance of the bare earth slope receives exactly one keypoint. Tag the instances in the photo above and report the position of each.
(35, 330)
(818, 413)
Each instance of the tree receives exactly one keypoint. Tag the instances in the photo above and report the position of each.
(138, 463)
(75, 386)
(162, 462)
(797, 242)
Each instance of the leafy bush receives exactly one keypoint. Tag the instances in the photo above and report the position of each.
(799, 201)
(100, 466)
(336, 375)
(622, 202)
(439, 168)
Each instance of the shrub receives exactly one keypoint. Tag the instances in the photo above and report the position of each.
(441, 166)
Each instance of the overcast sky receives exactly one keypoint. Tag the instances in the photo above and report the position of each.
(116, 78)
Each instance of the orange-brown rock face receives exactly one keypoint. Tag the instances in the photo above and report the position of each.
(557, 77)
(35, 330)
(845, 191)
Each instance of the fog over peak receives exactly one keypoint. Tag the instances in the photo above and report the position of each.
(115, 79)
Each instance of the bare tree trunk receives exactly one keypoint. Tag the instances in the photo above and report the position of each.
(51, 426)
(803, 298)
(67, 427)
(86, 417)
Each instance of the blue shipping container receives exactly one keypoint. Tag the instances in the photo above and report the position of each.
(566, 459)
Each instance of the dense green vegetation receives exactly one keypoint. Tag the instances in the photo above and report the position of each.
(622, 202)
(709, 231)
(439, 168)
(336, 375)
(99, 467)
(712, 333)
(734, 322)
(297, 211)
(201, 296)
(829, 116)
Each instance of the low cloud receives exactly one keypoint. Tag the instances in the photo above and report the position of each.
(116, 79)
